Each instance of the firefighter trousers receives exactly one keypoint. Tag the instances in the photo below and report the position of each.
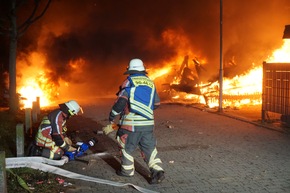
(129, 142)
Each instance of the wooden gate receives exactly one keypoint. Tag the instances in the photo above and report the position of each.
(276, 92)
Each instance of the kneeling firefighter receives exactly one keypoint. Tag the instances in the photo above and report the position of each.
(51, 140)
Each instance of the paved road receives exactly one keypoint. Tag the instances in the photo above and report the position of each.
(202, 152)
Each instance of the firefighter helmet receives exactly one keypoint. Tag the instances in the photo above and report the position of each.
(135, 66)
(73, 107)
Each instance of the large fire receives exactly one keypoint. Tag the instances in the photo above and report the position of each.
(237, 91)
(33, 81)
(245, 89)
(242, 89)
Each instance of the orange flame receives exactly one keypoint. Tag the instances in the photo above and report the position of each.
(240, 90)
(33, 81)
(33, 88)
(282, 54)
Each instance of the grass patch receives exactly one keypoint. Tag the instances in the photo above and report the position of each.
(34, 181)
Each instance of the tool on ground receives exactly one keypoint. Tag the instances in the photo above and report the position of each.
(82, 147)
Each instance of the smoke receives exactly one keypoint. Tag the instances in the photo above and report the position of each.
(253, 30)
(89, 43)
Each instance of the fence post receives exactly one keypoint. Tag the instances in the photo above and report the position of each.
(28, 121)
(20, 140)
(3, 181)
(34, 112)
(38, 105)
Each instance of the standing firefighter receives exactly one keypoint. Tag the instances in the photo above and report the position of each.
(51, 140)
(135, 103)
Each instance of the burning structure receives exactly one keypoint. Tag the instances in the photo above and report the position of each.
(68, 55)
(187, 79)
(186, 86)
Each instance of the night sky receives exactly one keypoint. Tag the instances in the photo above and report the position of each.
(106, 34)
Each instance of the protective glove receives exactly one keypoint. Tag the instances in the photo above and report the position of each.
(71, 149)
(68, 140)
(110, 128)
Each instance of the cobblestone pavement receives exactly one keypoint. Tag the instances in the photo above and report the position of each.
(202, 152)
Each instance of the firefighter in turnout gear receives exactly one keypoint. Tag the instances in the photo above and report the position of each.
(51, 140)
(136, 101)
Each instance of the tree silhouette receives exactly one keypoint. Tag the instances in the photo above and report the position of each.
(12, 30)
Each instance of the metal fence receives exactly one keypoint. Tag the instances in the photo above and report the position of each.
(276, 92)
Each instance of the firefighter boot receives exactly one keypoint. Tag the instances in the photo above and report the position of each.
(35, 150)
(120, 173)
(157, 177)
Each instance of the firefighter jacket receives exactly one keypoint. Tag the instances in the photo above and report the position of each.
(135, 104)
(51, 131)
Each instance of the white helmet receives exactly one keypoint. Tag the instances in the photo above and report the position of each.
(74, 107)
(135, 65)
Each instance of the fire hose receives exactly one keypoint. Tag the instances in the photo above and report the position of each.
(46, 165)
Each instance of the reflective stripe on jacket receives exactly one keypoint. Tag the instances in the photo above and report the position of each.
(52, 125)
(43, 136)
(141, 95)
(139, 112)
(136, 120)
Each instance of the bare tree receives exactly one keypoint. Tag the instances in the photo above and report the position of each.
(9, 27)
